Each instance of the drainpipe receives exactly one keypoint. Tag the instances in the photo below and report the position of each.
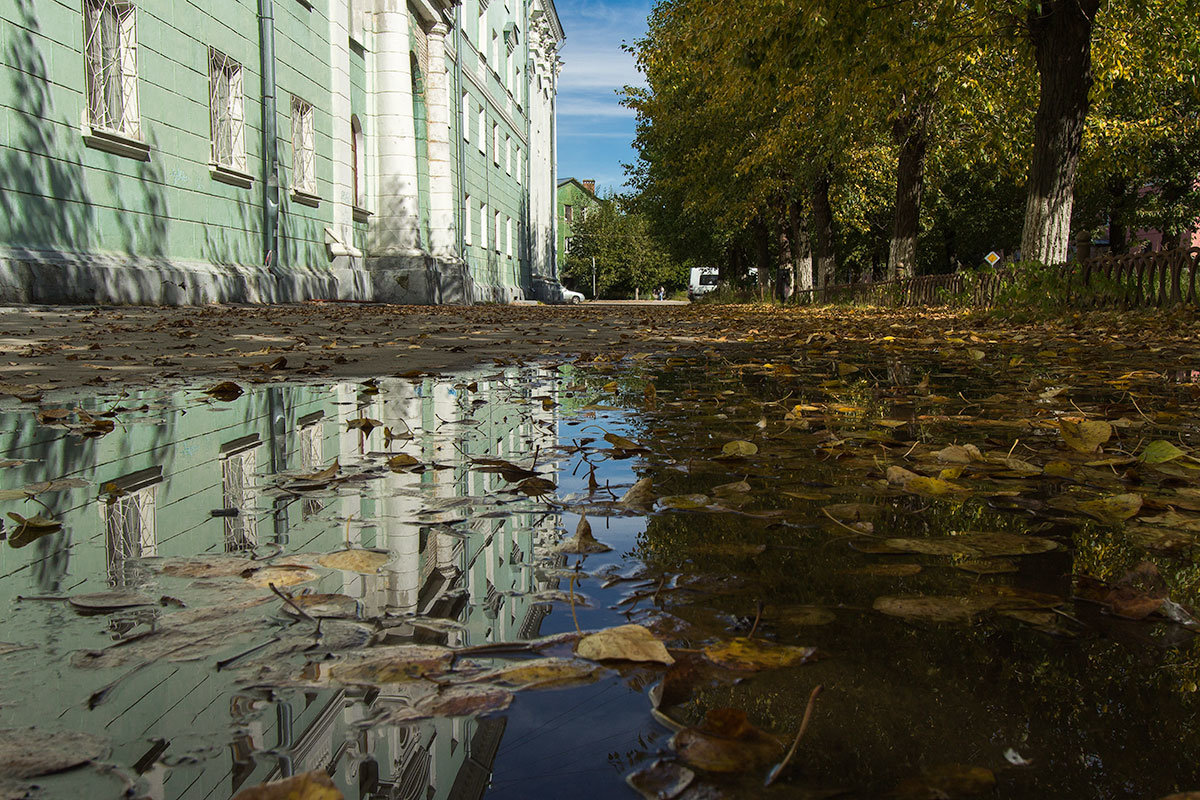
(458, 82)
(266, 34)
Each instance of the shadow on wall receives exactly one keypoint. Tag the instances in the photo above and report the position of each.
(48, 210)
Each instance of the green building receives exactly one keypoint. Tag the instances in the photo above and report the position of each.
(575, 197)
(276, 150)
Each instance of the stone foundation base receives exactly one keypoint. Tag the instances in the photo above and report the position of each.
(57, 278)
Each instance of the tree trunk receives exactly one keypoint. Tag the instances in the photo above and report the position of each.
(762, 260)
(1062, 42)
(802, 260)
(911, 133)
(787, 258)
(824, 259)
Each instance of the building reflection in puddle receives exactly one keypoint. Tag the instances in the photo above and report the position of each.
(195, 477)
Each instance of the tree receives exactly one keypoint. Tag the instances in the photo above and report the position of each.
(627, 258)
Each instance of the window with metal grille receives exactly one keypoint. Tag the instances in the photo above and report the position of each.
(238, 464)
(110, 55)
(226, 111)
(130, 522)
(304, 149)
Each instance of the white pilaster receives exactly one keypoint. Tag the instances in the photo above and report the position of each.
(441, 185)
(394, 229)
(340, 109)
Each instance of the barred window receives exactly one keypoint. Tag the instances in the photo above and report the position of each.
(304, 177)
(227, 111)
(110, 54)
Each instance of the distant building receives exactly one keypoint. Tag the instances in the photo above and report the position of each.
(574, 198)
(157, 152)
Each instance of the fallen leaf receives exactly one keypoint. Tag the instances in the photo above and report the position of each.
(640, 495)
(315, 785)
(684, 502)
(583, 542)
(109, 601)
(30, 752)
(753, 654)
(739, 449)
(662, 780)
(1085, 436)
(933, 608)
(392, 664)
(280, 576)
(727, 742)
(368, 562)
(1113, 510)
(1160, 452)
(324, 605)
(402, 462)
(225, 391)
(543, 673)
(623, 643)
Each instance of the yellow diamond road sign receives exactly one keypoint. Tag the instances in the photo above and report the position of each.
(992, 258)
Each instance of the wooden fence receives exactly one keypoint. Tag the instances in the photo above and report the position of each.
(1148, 280)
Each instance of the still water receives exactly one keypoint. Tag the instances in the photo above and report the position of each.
(207, 687)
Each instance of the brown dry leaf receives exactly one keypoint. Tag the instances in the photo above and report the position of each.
(110, 601)
(364, 424)
(225, 391)
(30, 529)
(1113, 510)
(30, 752)
(684, 502)
(536, 486)
(727, 742)
(393, 664)
(662, 780)
(947, 782)
(640, 495)
(933, 608)
(1085, 436)
(958, 454)
(583, 543)
(315, 785)
(280, 576)
(464, 700)
(805, 615)
(339, 606)
(981, 544)
(621, 443)
(623, 643)
(402, 462)
(753, 655)
(543, 673)
(368, 562)
(206, 567)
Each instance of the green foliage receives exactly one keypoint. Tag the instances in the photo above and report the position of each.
(627, 257)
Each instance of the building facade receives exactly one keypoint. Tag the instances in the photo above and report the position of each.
(276, 150)
(575, 197)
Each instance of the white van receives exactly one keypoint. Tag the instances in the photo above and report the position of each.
(702, 281)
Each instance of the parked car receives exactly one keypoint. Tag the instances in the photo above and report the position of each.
(548, 290)
(702, 281)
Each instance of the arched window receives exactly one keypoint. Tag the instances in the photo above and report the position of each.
(359, 156)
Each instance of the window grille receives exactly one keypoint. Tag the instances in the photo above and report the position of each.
(227, 111)
(130, 528)
(237, 491)
(110, 54)
(311, 459)
(304, 178)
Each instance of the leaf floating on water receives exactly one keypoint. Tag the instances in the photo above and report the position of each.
(394, 664)
(933, 608)
(402, 462)
(684, 502)
(206, 567)
(976, 545)
(1085, 436)
(537, 486)
(280, 576)
(987, 566)
(543, 673)
(225, 391)
(807, 615)
(464, 700)
(30, 752)
(315, 785)
(947, 782)
(368, 562)
(583, 543)
(727, 742)
(640, 495)
(1113, 510)
(888, 570)
(109, 601)
(31, 529)
(626, 445)
(1160, 452)
(735, 488)
(324, 605)
(623, 643)
(662, 780)
(753, 655)
(739, 449)
(364, 424)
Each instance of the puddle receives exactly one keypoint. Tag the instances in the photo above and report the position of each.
(178, 599)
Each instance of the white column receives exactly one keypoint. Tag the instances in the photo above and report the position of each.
(441, 186)
(340, 110)
(395, 223)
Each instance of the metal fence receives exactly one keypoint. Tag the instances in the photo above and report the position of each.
(1163, 279)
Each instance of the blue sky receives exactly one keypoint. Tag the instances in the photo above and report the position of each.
(594, 131)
